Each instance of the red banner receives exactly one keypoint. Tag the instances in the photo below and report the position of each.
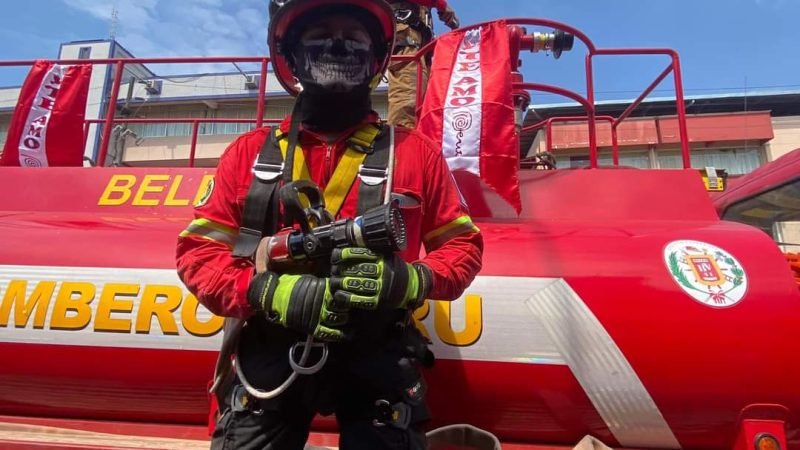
(469, 110)
(47, 126)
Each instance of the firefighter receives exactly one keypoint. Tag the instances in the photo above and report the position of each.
(330, 54)
(414, 30)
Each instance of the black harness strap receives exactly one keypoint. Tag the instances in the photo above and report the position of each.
(374, 172)
(261, 215)
(261, 210)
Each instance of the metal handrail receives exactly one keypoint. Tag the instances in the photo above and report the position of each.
(674, 68)
(547, 124)
(588, 102)
(120, 63)
(194, 121)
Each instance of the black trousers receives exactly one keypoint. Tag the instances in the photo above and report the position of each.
(272, 430)
(354, 379)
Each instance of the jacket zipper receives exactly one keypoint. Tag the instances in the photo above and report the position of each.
(328, 151)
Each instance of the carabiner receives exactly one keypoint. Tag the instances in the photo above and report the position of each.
(298, 367)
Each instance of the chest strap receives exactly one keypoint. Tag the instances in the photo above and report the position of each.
(261, 212)
(376, 172)
(370, 150)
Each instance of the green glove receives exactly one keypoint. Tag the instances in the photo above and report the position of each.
(299, 302)
(364, 279)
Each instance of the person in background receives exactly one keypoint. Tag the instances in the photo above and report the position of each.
(414, 30)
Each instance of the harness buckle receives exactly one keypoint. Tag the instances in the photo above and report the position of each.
(372, 176)
(242, 401)
(267, 171)
(247, 242)
(403, 15)
(397, 415)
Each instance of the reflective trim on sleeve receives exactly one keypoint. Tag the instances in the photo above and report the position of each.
(439, 236)
(213, 231)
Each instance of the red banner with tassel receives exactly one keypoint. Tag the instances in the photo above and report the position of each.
(469, 110)
(47, 126)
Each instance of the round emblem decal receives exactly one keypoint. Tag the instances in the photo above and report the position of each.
(706, 272)
(207, 195)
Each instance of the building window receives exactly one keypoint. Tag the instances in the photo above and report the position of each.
(639, 160)
(737, 161)
(3, 134)
(84, 52)
(160, 129)
(626, 159)
(278, 112)
(151, 130)
(184, 128)
(577, 161)
(156, 129)
(231, 128)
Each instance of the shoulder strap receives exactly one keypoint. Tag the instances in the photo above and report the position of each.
(261, 215)
(261, 210)
(376, 172)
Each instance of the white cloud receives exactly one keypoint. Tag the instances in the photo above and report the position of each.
(774, 4)
(160, 28)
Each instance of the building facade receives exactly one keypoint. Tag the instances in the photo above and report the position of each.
(226, 93)
(735, 132)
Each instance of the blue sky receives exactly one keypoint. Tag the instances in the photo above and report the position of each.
(725, 45)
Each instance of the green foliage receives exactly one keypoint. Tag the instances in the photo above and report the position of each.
(675, 268)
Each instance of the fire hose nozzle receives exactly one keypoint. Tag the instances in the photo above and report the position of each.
(556, 41)
(380, 229)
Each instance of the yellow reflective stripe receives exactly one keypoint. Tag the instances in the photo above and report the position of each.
(211, 231)
(215, 226)
(300, 170)
(444, 233)
(366, 135)
(346, 170)
(342, 180)
(345, 174)
(214, 238)
(463, 220)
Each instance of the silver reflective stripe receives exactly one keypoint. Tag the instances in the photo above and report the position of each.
(210, 233)
(600, 367)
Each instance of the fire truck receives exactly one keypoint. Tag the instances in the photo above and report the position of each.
(626, 304)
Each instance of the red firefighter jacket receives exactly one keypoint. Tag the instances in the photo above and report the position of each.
(439, 222)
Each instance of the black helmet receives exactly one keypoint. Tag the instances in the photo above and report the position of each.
(285, 13)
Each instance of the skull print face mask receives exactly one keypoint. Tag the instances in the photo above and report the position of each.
(335, 64)
(335, 58)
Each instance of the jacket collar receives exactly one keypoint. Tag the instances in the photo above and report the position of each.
(371, 118)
